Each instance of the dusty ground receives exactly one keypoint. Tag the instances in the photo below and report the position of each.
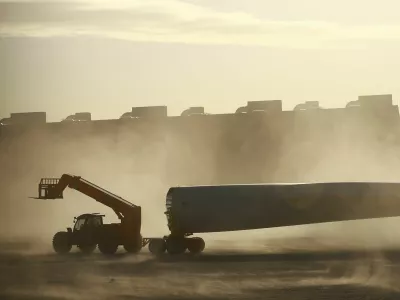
(294, 272)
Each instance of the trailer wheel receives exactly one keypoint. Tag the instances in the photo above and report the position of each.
(157, 246)
(108, 248)
(195, 245)
(62, 243)
(176, 245)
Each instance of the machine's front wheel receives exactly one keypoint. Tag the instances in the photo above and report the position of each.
(176, 245)
(62, 243)
(195, 245)
(157, 246)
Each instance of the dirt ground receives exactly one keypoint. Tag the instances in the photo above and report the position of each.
(302, 270)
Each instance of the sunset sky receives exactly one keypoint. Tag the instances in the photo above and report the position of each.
(106, 56)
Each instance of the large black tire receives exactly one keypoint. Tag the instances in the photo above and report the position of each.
(134, 246)
(176, 245)
(108, 240)
(62, 243)
(195, 245)
(108, 248)
(157, 246)
(87, 249)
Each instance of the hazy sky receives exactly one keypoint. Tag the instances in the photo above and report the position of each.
(105, 56)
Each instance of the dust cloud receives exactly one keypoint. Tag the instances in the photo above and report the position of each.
(141, 161)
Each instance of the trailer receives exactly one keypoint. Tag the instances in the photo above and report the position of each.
(222, 208)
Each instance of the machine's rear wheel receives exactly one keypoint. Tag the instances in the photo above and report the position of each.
(132, 248)
(157, 246)
(176, 245)
(108, 248)
(87, 249)
(62, 243)
(195, 245)
(134, 245)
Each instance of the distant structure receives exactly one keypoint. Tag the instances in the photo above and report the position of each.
(195, 110)
(30, 118)
(376, 104)
(308, 105)
(270, 106)
(79, 117)
(379, 106)
(372, 101)
(146, 112)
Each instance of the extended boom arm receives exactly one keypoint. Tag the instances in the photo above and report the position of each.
(52, 188)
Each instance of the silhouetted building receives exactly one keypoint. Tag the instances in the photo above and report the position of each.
(196, 110)
(146, 112)
(268, 106)
(29, 118)
(79, 117)
(307, 105)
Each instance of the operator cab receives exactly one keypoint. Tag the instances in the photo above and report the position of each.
(88, 220)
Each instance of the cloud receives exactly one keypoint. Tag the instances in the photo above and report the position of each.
(173, 21)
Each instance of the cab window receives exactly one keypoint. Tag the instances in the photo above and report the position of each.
(79, 224)
(94, 222)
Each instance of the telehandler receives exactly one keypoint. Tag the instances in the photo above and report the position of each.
(89, 230)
